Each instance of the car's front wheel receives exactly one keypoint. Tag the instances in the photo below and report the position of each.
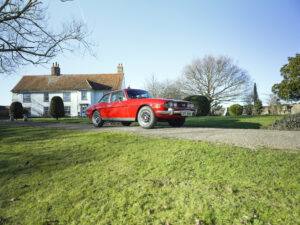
(97, 120)
(146, 117)
(177, 122)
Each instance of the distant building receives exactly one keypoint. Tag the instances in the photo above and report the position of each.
(78, 91)
(283, 109)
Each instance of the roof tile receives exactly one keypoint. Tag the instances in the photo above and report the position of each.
(68, 82)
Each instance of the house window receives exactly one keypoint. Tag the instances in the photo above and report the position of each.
(26, 97)
(67, 96)
(27, 111)
(46, 97)
(46, 111)
(67, 110)
(83, 95)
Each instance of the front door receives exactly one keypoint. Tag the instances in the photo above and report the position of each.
(83, 108)
(117, 106)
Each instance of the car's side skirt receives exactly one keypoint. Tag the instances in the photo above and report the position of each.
(119, 119)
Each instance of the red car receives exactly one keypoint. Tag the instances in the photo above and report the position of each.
(129, 105)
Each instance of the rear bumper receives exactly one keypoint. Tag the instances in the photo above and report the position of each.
(170, 112)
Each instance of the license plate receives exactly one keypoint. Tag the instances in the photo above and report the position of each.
(187, 113)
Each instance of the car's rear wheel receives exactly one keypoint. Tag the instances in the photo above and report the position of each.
(126, 124)
(177, 122)
(146, 117)
(97, 120)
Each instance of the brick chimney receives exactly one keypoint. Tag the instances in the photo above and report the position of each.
(55, 70)
(120, 68)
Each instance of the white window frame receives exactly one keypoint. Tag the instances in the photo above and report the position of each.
(28, 98)
(46, 94)
(65, 98)
(69, 113)
(48, 112)
(82, 95)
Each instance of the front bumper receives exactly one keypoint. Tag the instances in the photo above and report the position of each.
(182, 112)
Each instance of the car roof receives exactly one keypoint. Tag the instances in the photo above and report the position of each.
(125, 89)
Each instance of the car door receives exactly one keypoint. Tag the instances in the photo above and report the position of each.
(117, 106)
(103, 106)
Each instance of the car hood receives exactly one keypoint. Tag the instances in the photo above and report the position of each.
(168, 99)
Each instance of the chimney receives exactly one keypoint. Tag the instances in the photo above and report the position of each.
(120, 68)
(55, 70)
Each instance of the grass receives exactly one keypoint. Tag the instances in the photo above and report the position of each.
(244, 122)
(83, 120)
(50, 176)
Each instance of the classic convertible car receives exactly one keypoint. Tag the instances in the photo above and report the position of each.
(129, 105)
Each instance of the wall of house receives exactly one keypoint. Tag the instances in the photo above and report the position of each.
(37, 103)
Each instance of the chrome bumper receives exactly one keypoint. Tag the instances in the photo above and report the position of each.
(171, 111)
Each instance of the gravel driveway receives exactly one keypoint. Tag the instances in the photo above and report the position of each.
(249, 138)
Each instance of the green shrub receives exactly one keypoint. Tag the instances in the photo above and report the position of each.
(201, 104)
(248, 109)
(235, 110)
(57, 107)
(16, 110)
(4, 112)
(257, 108)
(289, 122)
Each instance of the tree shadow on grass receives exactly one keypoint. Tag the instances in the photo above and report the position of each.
(11, 134)
(223, 122)
(22, 151)
(20, 161)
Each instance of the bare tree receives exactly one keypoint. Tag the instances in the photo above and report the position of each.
(163, 89)
(171, 89)
(217, 78)
(153, 86)
(26, 38)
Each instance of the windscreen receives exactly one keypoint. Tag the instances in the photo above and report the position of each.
(138, 94)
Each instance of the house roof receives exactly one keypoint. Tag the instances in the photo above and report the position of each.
(40, 83)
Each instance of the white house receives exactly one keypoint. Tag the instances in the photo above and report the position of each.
(78, 91)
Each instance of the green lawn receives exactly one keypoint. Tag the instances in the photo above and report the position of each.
(245, 122)
(84, 120)
(49, 176)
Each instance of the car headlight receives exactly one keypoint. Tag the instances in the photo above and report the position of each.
(190, 105)
(169, 104)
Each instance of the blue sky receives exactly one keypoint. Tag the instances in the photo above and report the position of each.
(160, 37)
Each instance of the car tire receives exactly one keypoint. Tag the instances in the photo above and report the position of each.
(146, 117)
(126, 124)
(97, 120)
(177, 122)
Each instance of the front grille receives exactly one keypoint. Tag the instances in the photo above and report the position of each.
(181, 104)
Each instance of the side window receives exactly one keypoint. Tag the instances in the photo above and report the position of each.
(105, 98)
(67, 96)
(117, 96)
